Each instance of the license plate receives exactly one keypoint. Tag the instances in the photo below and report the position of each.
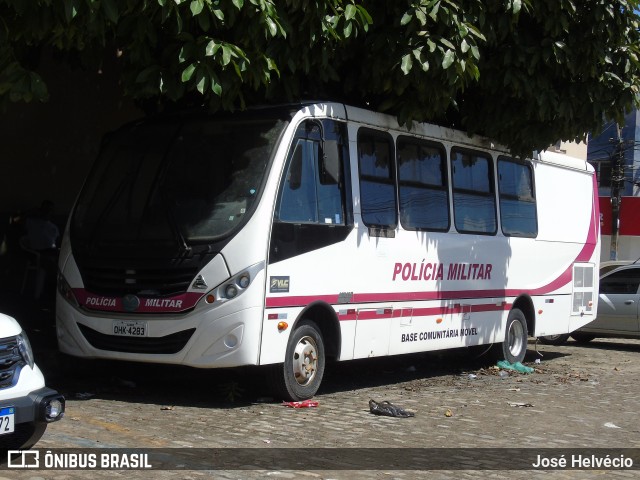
(129, 328)
(7, 420)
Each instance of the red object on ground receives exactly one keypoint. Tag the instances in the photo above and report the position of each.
(303, 404)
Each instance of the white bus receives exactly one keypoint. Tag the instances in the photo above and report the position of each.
(288, 236)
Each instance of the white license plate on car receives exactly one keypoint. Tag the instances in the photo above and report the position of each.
(129, 328)
(7, 420)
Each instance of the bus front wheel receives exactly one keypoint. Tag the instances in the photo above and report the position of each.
(300, 376)
(514, 347)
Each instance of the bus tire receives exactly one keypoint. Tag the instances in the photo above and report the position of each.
(300, 376)
(514, 347)
(582, 337)
(559, 339)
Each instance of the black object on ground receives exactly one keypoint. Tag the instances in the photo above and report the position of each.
(388, 409)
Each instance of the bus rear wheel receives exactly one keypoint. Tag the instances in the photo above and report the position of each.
(582, 337)
(559, 339)
(514, 347)
(301, 374)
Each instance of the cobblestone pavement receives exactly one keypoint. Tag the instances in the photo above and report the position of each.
(578, 397)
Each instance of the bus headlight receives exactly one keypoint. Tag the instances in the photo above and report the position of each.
(230, 291)
(244, 281)
(65, 290)
(232, 288)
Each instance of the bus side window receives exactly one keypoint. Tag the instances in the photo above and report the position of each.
(298, 199)
(329, 185)
(474, 201)
(517, 198)
(312, 187)
(377, 179)
(422, 182)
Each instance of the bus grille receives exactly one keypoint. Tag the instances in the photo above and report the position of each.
(10, 360)
(109, 280)
(168, 344)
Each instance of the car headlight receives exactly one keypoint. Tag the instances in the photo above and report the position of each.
(24, 347)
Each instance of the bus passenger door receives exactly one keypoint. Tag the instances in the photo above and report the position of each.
(373, 329)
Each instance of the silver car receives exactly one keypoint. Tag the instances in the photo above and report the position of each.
(618, 308)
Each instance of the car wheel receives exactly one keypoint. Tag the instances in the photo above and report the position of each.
(514, 347)
(582, 337)
(554, 339)
(301, 374)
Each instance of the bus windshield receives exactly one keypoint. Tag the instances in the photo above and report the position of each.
(169, 182)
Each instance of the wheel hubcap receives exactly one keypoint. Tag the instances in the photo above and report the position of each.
(515, 338)
(305, 360)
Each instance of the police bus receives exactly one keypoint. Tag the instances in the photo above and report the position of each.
(293, 235)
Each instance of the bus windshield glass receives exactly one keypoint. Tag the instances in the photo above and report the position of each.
(168, 182)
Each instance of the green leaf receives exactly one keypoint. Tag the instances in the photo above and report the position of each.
(238, 3)
(448, 59)
(447, 43)
(407, 63)
(364, 14)
(211, 48)
(422, 18)
(434, 11)
(406, 18)
(188, 72)
(196, 7)
(183, 56)
(272, 65)
(219, 14)
(272, 26)
(226, 55)
(517, 5)
(464, 46)
(348, 28)
(70, 10)
(201, 81)
(216, 87)
(350, 11)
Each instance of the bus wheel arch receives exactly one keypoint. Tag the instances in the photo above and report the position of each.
(326, 319)
(525, 305)
(314, 337)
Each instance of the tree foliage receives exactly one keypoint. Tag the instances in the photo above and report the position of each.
(525, 72)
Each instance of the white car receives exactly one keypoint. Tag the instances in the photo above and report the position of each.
(26, 405)
(618, 307)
